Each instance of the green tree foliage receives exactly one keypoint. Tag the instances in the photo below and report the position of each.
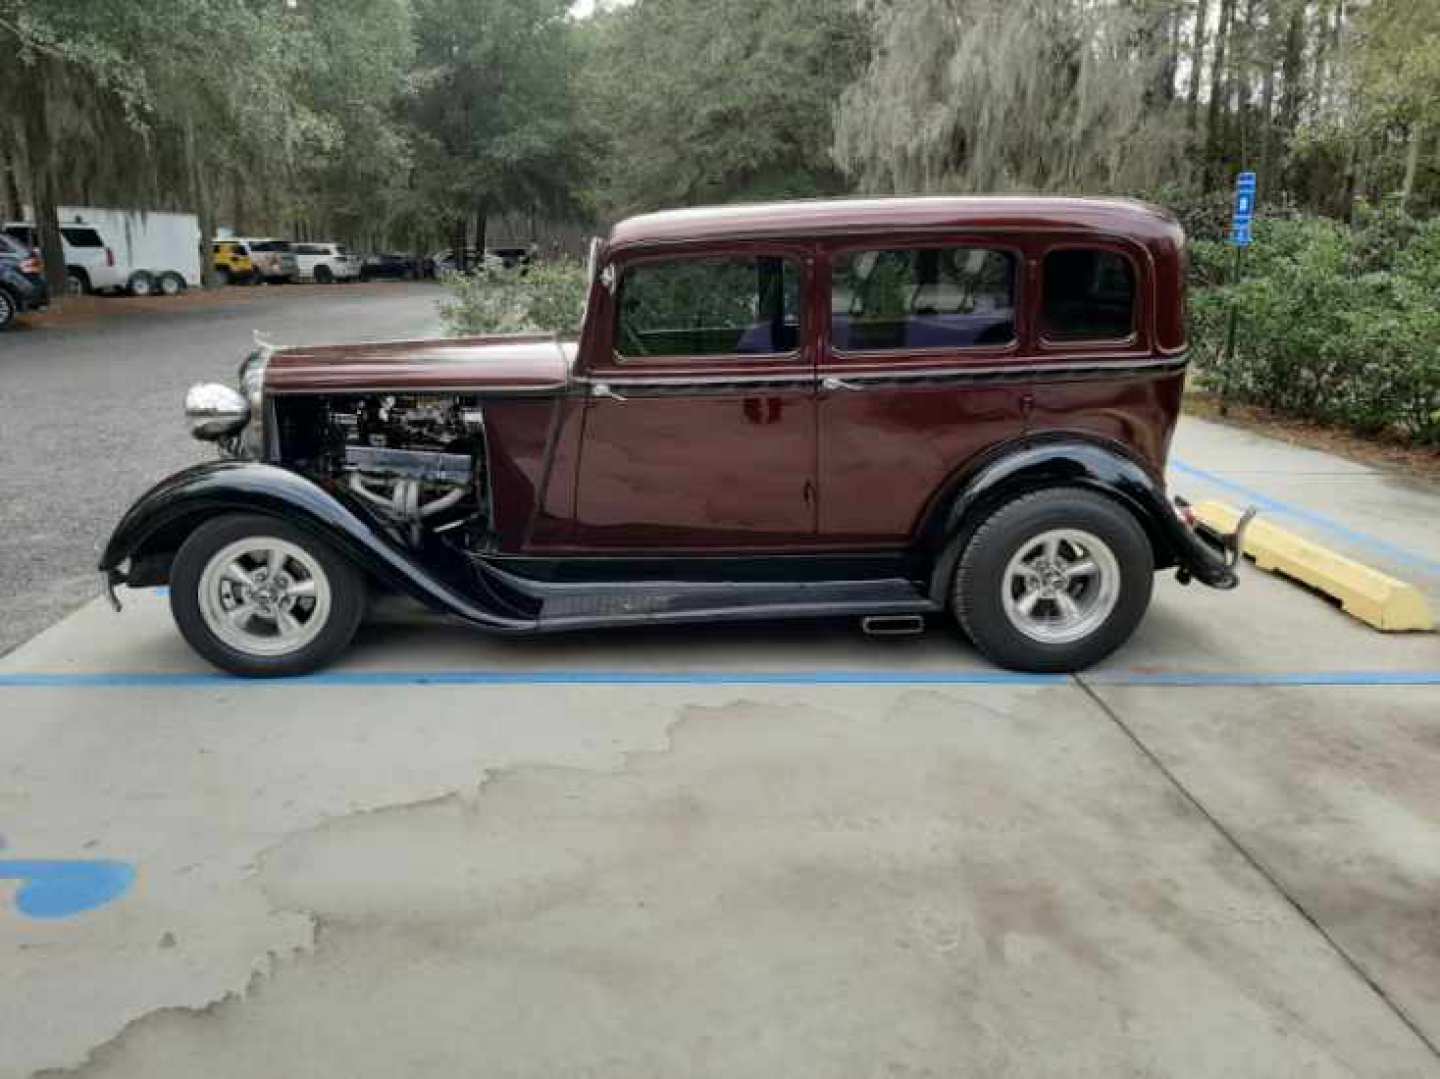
(492, 106)
(698, 102)
(548, 298)
(1338, 323)
(985, 95)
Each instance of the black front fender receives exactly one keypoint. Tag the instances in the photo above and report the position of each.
(1064, 463)
(160, 520)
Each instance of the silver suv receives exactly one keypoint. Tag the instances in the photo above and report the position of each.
(274, 260)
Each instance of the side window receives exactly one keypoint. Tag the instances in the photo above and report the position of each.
(929, 297)
(81, 237)
(730, 306)
(1089, 295)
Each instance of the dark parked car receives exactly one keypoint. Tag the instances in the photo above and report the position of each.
(888, 409)
(376, 267)
(496, 258)
(22, 282)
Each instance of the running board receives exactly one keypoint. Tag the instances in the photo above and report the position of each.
(686, 601)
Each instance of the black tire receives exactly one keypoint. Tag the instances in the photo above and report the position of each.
(979, 590)
(323, 276)
(346, 600)
(141, 283)
(222, 275)
(171, 283)
(77, 282)
(9, 309)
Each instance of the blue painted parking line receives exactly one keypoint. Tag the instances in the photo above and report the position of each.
(362, 679)
(1285, 678)
(537, 678)
(1318, 520)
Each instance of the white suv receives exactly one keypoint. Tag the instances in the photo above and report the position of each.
(325, 263)
(90, 264)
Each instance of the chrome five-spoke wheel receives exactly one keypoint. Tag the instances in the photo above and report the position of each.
(264, 595)
(1053, 580)
(1061, 585)
(258, 596)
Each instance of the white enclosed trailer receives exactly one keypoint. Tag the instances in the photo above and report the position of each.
(151, 242)
(147, 245)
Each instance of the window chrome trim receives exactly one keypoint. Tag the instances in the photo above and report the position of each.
(1038, 371)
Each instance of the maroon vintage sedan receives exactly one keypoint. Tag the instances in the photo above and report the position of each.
(885, 408)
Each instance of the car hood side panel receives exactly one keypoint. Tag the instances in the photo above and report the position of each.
(510, 364)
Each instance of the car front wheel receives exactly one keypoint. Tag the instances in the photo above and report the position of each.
(1054, 581)
(261, 598)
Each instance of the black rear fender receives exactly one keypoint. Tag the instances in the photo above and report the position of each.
(972, 496)
(141, 549)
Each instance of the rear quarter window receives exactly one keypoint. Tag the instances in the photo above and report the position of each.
(1088, 294)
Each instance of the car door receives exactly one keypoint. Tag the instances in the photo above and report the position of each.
(699, 429)
(917, 350)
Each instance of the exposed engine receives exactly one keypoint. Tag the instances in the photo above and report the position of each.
(415, 459)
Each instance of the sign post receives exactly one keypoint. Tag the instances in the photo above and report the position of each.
(1240, 239)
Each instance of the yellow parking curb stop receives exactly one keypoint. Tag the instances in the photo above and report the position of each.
(1367, 594)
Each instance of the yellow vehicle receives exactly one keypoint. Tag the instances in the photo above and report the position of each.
(233, 264)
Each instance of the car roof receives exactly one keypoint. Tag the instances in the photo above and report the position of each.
(829, 217)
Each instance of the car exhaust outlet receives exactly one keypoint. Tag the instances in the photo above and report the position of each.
(892, 625)
(1235, 542)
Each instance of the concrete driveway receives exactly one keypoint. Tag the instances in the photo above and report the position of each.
(746, 851)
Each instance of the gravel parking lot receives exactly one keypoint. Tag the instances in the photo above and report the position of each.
(739, 851)
(92, 417)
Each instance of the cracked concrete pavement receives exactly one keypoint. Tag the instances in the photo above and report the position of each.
(1202, 859)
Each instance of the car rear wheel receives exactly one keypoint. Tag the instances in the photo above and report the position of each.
(222, 275)
(8, 309)
(171, 283)
(323, 276)
(1054, 581)
(76, 284)
(140, 283)
(261, 598)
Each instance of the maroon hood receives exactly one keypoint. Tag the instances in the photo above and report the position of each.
(520, 363)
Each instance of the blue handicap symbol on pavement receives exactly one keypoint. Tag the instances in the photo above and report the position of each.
(62, 888)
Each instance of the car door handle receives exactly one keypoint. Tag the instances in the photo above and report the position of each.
(837, 384)
(602, 389)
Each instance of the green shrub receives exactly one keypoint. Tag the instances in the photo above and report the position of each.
(548, 298)
(1338, 324)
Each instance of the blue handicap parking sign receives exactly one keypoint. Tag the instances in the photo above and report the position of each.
(1244, 209)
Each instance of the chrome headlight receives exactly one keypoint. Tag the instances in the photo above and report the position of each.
(215, 411)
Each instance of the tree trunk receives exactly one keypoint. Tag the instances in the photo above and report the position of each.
(1292, 74)
(10, 205)
(36, 120)
(201, 198)
(1217, 85)
(1267, 91)
(1197, 61)
(1323, 41)
(482, 215)
(1243, 64)
(1412, 163)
